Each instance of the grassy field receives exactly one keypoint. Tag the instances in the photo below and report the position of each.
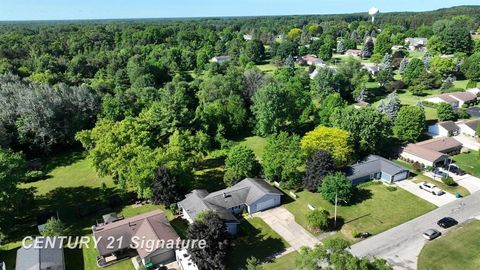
(456, 250)
(286, 262)
(256, 143)
(374, 209)
(256, 239)
(451, 189)
(469, 162)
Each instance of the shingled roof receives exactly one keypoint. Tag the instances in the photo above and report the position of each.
(449, 125)
(374, 164)
(152, 226)
(48, 255)
(247, 191)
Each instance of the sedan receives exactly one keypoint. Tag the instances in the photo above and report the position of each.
(447, 222)
(431, 188)
(431, 234)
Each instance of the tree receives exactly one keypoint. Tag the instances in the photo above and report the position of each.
(413, 71)
(240, 163)
(442, 66)
(335, 141)
(367, 49)
(403, 65)
(445, 112)
(386, 70)
(282, 158)
(410, 123)
(320, 164)
(383, 43)
(254, 51)
(165, 188)
(294, 34)
(336, 185)
(254, 264)
(454, 35)
(341, 46)
(318, 219)
(370, 129)
(213, 231)
(391, 106)
(336, 244)
(471, 67)
(328, 106)
(323, 83)
(253, 79)
(55, 227)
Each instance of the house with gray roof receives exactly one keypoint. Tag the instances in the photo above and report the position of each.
(469, 128)
(446, 128)
(376, 167)
(44, 253)
(250, 195)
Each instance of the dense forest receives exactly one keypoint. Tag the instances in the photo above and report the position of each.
(140, 95)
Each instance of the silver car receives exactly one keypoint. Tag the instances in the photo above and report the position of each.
(431, 234)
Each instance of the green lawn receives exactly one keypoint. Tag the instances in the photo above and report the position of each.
(456, 250)
(469, 162)
(256, 143)
(256, 239)
(451, 189)
(407, 98)
(77, 174)
(286, 262)
(374, 209)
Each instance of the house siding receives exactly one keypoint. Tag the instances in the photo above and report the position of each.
(400, 176)
(160, 256)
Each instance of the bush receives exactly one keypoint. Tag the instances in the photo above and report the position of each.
(395, 85)
(417, 166)
(391, 189)
(462, 113)
(33, 176)
(355, 233)
(449, 181)
(418, 90)
(336, 244)
(318, 219)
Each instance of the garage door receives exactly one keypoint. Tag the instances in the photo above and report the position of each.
(266, 204)
(163, 257)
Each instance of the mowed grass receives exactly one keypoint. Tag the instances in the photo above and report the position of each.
(255, 239)
(451, 189)
(256, 143)
(456, 250)
(469, 162)
(286, 262)
(79, 173)
(374, 209)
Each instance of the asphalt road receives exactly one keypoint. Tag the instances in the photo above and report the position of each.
(401, 245)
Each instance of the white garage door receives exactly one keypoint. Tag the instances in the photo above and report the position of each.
(163, 257)
(265, 205)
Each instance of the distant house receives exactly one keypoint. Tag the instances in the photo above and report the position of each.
(361, 104)
(456, 99)
(376, 167)
(469, 128)
(475, 91)
(416, 44)
(398, 47)
(151, 226)
(355, 53)
(220, 59)
(373, 69)
(46, 253)
(312, 60)
(250, 195)
(434, 152)
(447, 129)
(247, 37)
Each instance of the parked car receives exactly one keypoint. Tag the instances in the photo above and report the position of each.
(431, 234)
(447, 222)
(431, 188)
(439, 174)
(456, 170)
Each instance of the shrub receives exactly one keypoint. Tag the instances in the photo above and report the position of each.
(449, 181)
(33, 176)
(318, 219)
(395, 85)
(355, 233)
(336, 244)
(417, 166)
(391, 189)
(462, 113)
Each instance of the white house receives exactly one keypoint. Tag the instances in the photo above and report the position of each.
(220, 59)
(456, 99)
(185, 260)
(247, 37)
(371, 68)
(356, 53)
(475, 91)
(312, 60)
(434, 152)
(446, 129)
(469, 128)
(249, 195)
(415, 44)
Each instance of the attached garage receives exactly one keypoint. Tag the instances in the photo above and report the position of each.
(267, 201)
(160, 256)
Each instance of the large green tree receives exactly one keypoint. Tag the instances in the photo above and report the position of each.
(337, 186)
(410, 123)
(240, 163)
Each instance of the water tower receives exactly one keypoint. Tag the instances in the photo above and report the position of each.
(373, 12)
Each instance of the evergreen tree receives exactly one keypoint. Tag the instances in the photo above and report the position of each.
(391, 106)
(367, 50)
(403, 65)
(427, 57)
(340, 46)
(164, 189)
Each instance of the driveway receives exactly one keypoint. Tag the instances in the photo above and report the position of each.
(283, 222)
(468, 142)
(429, 197)
(470, 182)
(474, 111)
(401, 245)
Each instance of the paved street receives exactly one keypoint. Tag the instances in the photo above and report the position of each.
(401, 245)
(283, 222)
(414, 188)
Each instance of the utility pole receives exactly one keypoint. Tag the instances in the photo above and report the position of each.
(335, 217)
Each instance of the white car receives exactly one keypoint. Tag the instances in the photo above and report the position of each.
(431, 188)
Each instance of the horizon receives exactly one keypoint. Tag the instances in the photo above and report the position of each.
(89, 10)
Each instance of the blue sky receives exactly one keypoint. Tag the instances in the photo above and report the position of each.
(106, 9)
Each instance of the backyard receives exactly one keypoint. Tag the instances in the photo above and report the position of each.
(458, 249)
(374, 209)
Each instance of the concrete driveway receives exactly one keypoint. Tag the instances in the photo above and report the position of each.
(283, 222)
(470, 182)
(401, 245)
(414, 188)
(468, 142)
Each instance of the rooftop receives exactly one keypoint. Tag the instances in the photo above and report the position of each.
(449, 125)
(47, 253)
(374, 164)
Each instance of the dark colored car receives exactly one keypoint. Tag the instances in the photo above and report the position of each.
(456, 170)
(447, 222)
